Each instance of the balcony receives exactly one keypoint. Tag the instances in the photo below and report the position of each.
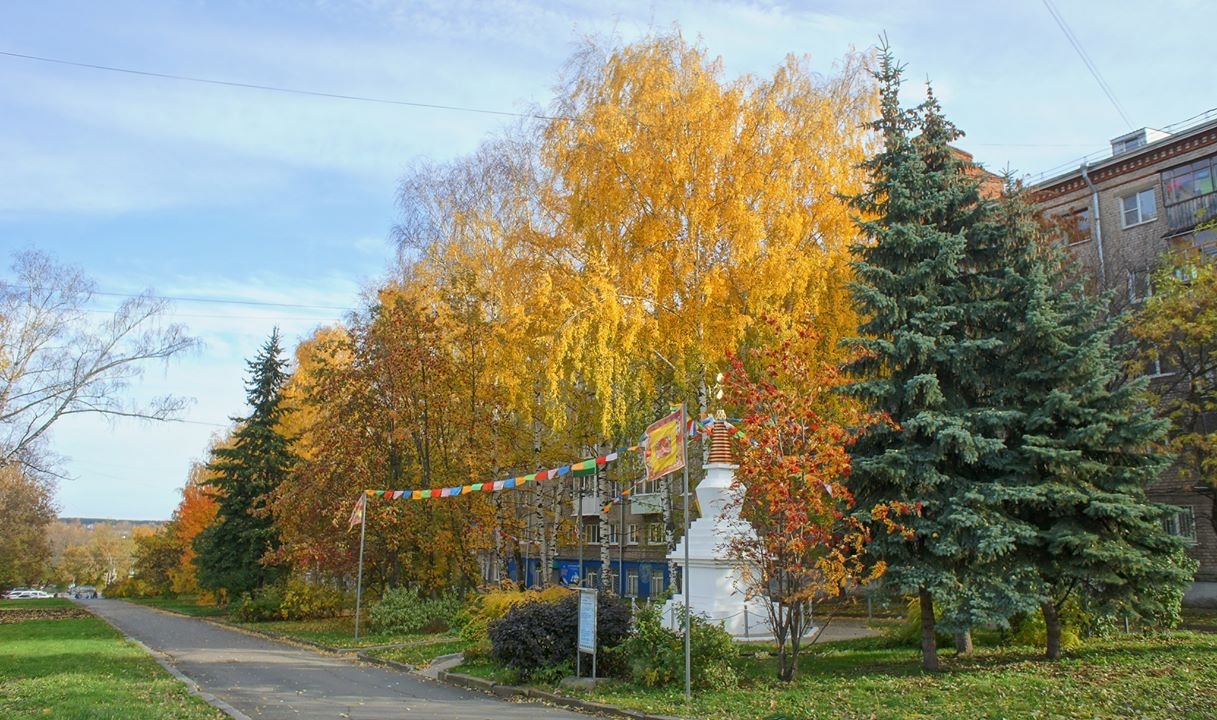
(591, 506)
(1184, 216)
(646, 504)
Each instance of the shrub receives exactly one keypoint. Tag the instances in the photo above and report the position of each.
(1029, 629)
(485, 609)
(907, 632)
(537, 638)
(262, 606)
(402, 610)
(305, 601)
(655, 656)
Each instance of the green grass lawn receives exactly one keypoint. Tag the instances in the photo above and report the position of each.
(1170, 676)
(79, 668)
(335, 632)
(185, 605)
(423, 653)
(42, 604)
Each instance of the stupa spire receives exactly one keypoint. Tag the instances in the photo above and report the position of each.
(720, 440)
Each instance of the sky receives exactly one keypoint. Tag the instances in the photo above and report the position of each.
(256, 209)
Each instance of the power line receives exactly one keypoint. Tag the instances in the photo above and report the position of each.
(273, 88)
(224, 301)
(1094, 70)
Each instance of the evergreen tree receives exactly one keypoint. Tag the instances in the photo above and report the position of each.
(929, 284)
(1083, 443)
(247, 472)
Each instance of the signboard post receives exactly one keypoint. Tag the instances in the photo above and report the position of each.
(586, 642)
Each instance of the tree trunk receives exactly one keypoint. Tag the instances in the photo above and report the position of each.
(929, 638)
(963, 643)
(1052, 623)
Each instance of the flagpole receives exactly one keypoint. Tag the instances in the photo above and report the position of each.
(685, 580)
(363, 532)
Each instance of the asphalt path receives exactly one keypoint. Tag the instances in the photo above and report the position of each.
(267, 679)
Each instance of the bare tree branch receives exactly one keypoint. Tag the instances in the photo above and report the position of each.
(54, 362)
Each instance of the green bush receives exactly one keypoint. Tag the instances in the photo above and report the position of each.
(486, 608)
(305, 601)
(263, 606)
(402, 610)
(1029, 629)
(655, 656)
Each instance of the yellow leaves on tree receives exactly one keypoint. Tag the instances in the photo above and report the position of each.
(685, 206)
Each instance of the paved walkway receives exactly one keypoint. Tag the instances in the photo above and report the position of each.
(267, 679)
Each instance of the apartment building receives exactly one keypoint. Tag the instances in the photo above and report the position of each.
(1120, 216)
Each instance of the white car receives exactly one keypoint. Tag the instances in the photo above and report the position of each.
(26, 594)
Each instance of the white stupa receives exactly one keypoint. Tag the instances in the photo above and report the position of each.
(713, 580)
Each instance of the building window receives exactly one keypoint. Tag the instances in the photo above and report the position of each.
(1138, 208)
(655, 534)
(592, 580)
(1190, 181)
(1079, 226)
(1189, 194)
(614, 534)
(1158, 367)
(631, 536)
(591, 533)
(1181, 523)
(631, 583)
(587, 486)
(1140, 285)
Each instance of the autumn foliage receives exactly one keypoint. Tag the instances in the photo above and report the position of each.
(794, 464)
(556, 289)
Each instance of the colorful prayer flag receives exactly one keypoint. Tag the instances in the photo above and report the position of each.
(665, 447)
(357, 514)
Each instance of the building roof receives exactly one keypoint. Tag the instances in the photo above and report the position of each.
(1180, 142)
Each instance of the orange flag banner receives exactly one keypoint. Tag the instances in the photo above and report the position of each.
(665, 448)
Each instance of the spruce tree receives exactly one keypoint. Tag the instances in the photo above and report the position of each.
(247, 472)
(928, 284)
(1083, 443)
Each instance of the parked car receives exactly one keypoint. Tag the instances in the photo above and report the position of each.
(26, 594)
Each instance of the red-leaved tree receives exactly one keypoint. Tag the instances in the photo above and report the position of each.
(793, 465)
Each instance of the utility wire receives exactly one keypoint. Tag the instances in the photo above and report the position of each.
(1094, 70)
(274, 88)
(222, 301)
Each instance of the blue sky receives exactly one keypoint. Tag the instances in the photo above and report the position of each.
(221, 193)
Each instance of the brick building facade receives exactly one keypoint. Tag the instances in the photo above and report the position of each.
(1119, 217)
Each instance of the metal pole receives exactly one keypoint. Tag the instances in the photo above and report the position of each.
(578, 488)
(579, 526)
(363, 533)
(685, 580)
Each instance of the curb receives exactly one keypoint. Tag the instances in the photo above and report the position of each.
(165, 662)
(508, 692)
(468, 682)
(373, 660)
(191, 686)
(272, 635)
